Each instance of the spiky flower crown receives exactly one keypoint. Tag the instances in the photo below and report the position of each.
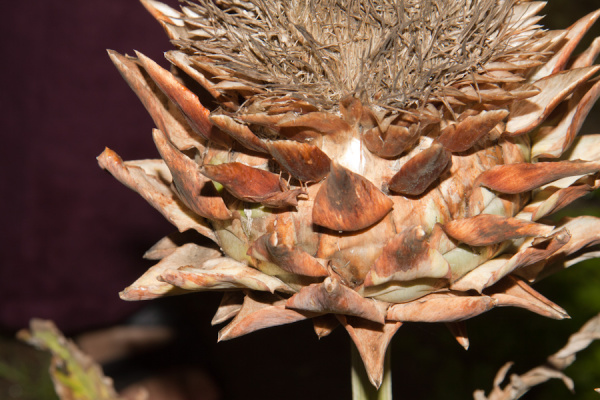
(392, 54)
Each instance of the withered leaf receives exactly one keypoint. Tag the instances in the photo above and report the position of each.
(443, 307)
(530, 252)
(230, 306)
(304, 161)
(333, 297)
(391, 143)
(561, 198)
(287, 257)
(420, 171)
(372, 341)
(514, 292)
(151, 179)
(194, 189)
(221, 274)
(148, 286)
(572, 38)
(252, 184)
(196, 114)
(488, 229)
(239, 132)
(523, 177)
(260, 311)
(164, 113)
(347, 201)
(458, 329)
(324, 324)
(462, 136)
(551, 142)
(525, 115)
(351, 109)
(322, 122)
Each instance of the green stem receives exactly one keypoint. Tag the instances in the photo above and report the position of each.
(362, 389)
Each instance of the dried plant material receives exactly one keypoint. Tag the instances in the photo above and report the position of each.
(519, 178)
(150, 286)
(487, 229)
(75, 375)
(151, 179)
(521, 384)
(324, 55)
(342, 198)
(462, 136)
(573, 36)
(231, 304)
(551, 142)
(239, 132)
(458, 329)
(332, 297)
(194, 189)
(164, 113)
(252, 184)
(221, 274)
(195, 113)
(516, 293)
(260, 312)
(528, 114)
(169, 244)
(324, 325)
(304, 161)
(371, 340)
(440, 308)
(530, 252)
(366, 155)
(420, 171)
(391, 143)
(408, 256)
(287, 257)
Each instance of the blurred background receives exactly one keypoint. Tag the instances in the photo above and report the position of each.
(73, 237)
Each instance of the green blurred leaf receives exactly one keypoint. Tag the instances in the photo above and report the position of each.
(75, 375)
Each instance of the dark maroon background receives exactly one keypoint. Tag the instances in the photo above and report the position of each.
(72, 236)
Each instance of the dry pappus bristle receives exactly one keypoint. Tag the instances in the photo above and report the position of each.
(390, 53)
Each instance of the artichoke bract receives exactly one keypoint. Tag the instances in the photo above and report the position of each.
(364, 163)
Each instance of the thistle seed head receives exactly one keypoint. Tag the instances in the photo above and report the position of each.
(393, 54)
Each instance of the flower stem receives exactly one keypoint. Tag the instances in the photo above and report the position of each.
(362, 389)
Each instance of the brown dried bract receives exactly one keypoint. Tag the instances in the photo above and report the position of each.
(287, 257)
(393, 142)
(487, 229)
(333, 297)
(440, 308)
(420, 171)
(523, 177)
(462, 136)
(239, 132)
(260, 311)
(252, 184)
(194, 111)
(304, 161)
(194, 189)
(348, 202)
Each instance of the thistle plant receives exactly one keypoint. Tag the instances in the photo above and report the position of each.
(364, 163)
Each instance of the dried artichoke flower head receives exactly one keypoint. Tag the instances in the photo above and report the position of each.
(369, 163)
